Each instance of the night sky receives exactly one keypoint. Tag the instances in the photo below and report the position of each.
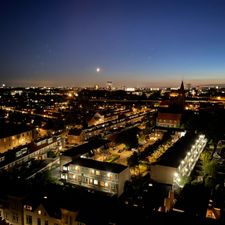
(133, 42)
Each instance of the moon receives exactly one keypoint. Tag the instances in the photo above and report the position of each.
(98, 69)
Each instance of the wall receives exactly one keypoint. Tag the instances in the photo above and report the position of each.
(163, 174)
(123, 177)
(14, 141)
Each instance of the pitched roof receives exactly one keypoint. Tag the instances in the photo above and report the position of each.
(181, 90)
(75, 132)
(169, 116)
(165, 103)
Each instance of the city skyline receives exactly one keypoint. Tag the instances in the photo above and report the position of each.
(133, 43)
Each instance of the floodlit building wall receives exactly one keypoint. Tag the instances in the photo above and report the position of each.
(16, 140)
(163, 174)
(100, 180)
(123, 177)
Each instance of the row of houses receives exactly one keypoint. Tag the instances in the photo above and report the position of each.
(77, 136)
(65, 209)
(22, 154)
(176, 164)
(14, 136)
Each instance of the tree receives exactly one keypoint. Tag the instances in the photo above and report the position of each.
(205, 156)
(133, 161)
(128, 137)
(51, 154)
(210, 168)
(210, 182)
(215, 129)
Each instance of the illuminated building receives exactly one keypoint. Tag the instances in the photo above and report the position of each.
(37, 150)
(96, 119)
(100, 176)
(75, 136)
(168, 120)
(33, 210)
(176, 164)
(109, 85)
(13, 137)
(170, 112)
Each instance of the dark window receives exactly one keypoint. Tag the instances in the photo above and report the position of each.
(15, 217)
(29, 219)
(46, 222)
(38, 221)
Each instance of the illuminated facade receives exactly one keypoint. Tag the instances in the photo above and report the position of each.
(15, 140)
(187, 164)
(75, 136)
(168, 120)
(177, 163)
(100, 176)
(20, 155)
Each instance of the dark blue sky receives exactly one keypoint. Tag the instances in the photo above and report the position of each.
(134, 42)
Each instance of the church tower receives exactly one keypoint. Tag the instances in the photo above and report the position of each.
(181, 96)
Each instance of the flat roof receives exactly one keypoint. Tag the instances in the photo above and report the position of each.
(7, 130)
(105, 166)
(176, 153)
(10, 130)
(79, 150)
(75, 131)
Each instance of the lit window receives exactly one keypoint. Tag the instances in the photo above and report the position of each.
(76, 167)
(95, 182)
(28, 207)
(92, 171)
(64, 176)
(176, 174)
(106, 184)
(109, 175)
(39, 212)
(97, 172)
(102, 183)
(90, 181)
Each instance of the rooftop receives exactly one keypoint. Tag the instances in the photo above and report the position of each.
(169, 116)
(7, 130)
(75, 131)
(175, 154)
(77, 151)
(105, 166)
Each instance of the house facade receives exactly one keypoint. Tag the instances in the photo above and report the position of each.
(100, 176)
